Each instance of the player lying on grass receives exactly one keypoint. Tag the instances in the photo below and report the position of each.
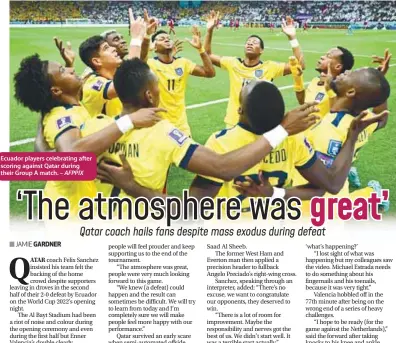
(242, 70)
(173, 74)
(356, 91)
(151, 151)
(54, 91)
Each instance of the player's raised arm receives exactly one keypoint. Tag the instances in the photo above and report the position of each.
(207, 69)
(298, 80)
(230, 165)
(67, 53)
(151, 27)
(290, 31)
(137, 31)
(98, 142)
(212, 23)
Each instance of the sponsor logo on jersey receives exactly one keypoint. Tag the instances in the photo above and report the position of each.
(319, 96)
(334, 147)
(178, 136)
(62, 122)
(98, 85)
(179, 71)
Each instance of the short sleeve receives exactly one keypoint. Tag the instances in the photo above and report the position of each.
(174, 144)
(277, 68)
(305, 155)
(190, 66)
(95, 93)
(226, 62)
(57, 125)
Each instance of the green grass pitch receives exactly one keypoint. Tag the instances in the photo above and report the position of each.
(376, 160)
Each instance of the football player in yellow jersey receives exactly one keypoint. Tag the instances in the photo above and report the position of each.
(99, 95)
(152, 151)
(54, 91)
(294, 152)
(356, 91)
(335, 62)
(243, 70)
(173, 72)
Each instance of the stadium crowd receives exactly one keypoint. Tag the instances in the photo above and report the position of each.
(259, 11)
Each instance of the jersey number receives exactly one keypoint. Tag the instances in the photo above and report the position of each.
(171, 85)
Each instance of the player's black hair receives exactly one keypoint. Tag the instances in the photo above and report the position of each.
(154, 36)
(347, 59)
(33, 86)
(380, 88)
(264, 107)
(259, 38)
(130, 78)
(89, 49)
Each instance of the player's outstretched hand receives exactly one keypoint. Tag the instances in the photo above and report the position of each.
(382, 61)
(361, 122)
(137, 27)
(146, 117)
(301, 118)
(120, 177)
(177, 47)
(67, 53)
(195, 42)
(151, 23)
(249, 188)
(213, 20)
(288, 28)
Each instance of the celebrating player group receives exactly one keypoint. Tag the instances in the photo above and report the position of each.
(129, 109)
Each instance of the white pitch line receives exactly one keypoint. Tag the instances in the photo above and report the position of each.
(285, 49)
(22, 141)
(190, 107)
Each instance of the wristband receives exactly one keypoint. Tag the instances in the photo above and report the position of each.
(279, 193)
(136, 42)
(202, 50)
(331, 93)
(298, 83)
(124, 124)
(276, 136)
(294, 43)
(146, 36)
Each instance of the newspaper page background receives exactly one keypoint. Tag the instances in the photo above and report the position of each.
(190, 308)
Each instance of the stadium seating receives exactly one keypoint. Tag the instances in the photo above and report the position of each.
(114, 12)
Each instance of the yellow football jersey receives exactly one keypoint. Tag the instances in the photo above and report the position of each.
(172, 79)
(95, 97)
(55, 123)
(295, 151)
(316, 91)
(328, 136)
(149, 151)
(241, 75)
